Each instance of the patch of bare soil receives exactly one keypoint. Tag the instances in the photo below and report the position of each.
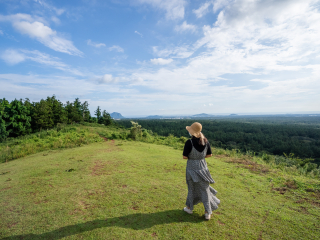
(112, 147)
(83, 205)
(281, 190)
(252, 166)
(12, 224)
(98, 168)
(220, 223)
(104, 138)
(309, 200)
(291, 184)
(288, 184)
(5, 189)
(301, 209)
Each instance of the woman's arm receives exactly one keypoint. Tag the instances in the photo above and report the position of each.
(209, 151)
(187, 149)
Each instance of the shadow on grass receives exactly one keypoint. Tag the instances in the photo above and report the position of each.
(138, 221)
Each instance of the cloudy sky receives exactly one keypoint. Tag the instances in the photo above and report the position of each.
(166, 57)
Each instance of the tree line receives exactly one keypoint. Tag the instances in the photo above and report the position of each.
(21, 117)
(277, 139)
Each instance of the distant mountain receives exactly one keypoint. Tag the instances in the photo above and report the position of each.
(116, 115)
(201, 115)
(154, 117)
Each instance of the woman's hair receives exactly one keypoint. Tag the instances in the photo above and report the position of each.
(203, 140)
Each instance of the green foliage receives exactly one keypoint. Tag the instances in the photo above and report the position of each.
(78, 106)
(22, 117)
(3, 130)
(85, 111)
(17, 118)
(106, 118)
(135, 131)
(73, 112)
(271, 136)
(62, 137)
(98, 114)
(42, 115)
(59, 114)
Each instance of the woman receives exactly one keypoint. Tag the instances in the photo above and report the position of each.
(197, 173)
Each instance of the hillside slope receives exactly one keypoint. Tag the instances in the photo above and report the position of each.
(120, 189)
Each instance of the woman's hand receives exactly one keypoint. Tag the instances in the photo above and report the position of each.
(184, 157)
(208, 156)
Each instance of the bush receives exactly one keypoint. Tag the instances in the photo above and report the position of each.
(267, 158)
(65, 138)
(135, 131)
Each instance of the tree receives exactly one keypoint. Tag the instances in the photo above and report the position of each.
(106, 118)
(42, 115)
(28, 105)
(18, 120)
(98, 114)
(73, 112)
(85, 111)
(77, 105)
(3, 130)
(59, 114)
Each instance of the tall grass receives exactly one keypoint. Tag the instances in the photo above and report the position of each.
(60, 137)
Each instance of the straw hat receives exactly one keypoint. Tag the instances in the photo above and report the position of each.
(195, 129)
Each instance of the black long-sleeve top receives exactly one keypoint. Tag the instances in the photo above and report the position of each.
(195, 141)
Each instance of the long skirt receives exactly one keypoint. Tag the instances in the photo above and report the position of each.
(202, 192)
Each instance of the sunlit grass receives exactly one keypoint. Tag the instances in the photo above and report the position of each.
(134, 190)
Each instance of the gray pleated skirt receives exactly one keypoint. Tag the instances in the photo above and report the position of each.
(198, 179)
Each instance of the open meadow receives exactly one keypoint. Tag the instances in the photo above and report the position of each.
(121, 189)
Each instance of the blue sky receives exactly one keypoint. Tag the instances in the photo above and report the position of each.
(166, 57)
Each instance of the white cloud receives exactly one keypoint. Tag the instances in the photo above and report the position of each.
(43, 3)
(174, 8)
(136, 32)
(97, 45)
(116, 48)
(55, 20)
(1, 33)
(202, 10)
(217, 4)
(277, 41)
(173, 52)
(106, 79)
(15, 56)
(161, 61)
(185, 27)
(25, 24)
(258, 55)
(12, 57)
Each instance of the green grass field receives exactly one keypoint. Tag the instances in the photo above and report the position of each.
(134, 190)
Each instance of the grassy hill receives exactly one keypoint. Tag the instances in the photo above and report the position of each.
(119, 189)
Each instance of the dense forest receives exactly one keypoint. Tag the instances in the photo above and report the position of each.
(21, 117)
(277, 136)
(277, 139)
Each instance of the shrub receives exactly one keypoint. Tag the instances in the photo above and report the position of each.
(135, 131)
